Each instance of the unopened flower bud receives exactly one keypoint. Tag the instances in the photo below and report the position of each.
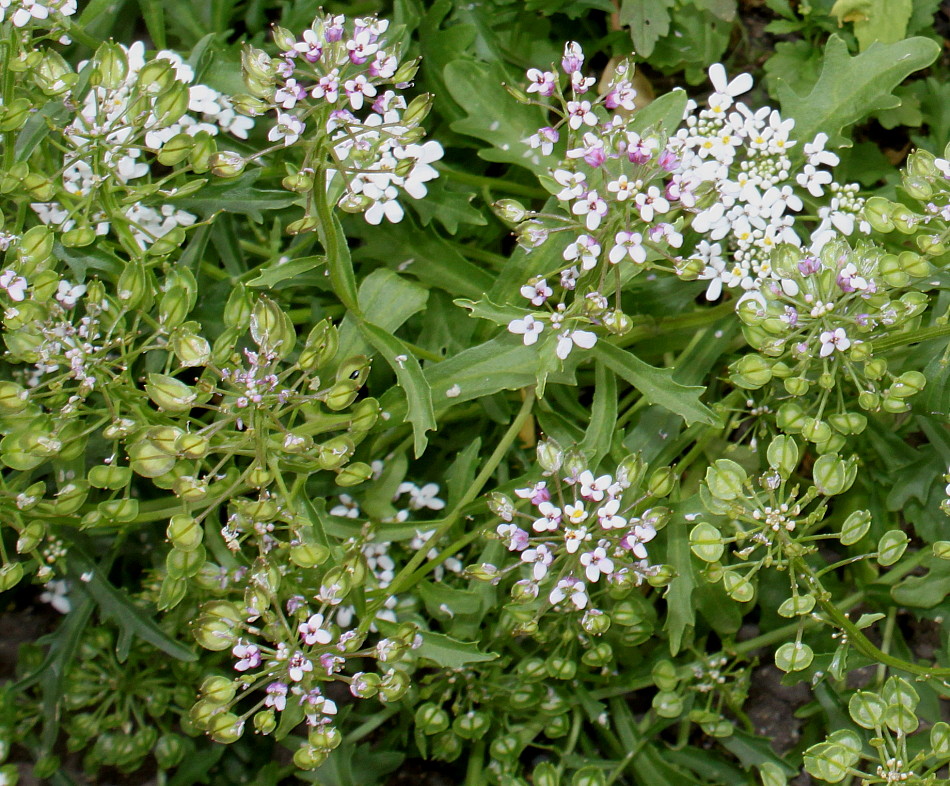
(618, 323)
(30, 537)
(510, 210)
(406, 72)
(595, 622)
(483, 572)
(661, 482)
(550, 456)
(354, 474)
(303, 225)
(299, 182)
(393, 686)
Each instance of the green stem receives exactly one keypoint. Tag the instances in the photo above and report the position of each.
(403, 579)
(493, 182)
(910, 337)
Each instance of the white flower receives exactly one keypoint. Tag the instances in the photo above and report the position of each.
(650, 203)
(832, 340)
(596, 562)
(607, 515)
(549, 520)
(544, 139)
(348, 507)
(297, 666)
(249, 656)
(529, 327)
(571, 589)
(575, 512)
(540, 558)
(816, 153)
(628, 244)
(574, 184)
(721, 100)
(312, 631)
(328, 87)
(586, 249)
(567, 340)
(593, 488)
(579, 113)
(68, 294)
(357, 89)
(288, 128)
(537, 293)
(14, 285)
(591, 206)
(57, 595)
(542, 82)
(384, 204)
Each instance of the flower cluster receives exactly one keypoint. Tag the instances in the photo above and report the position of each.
(581, 534)
(342, 78)
(37, 14)
(144, 111)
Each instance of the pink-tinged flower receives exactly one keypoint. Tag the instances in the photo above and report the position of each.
(592, 207)
(596, 562)
(14, 285)
(593, 488)
(574, 184)
(288, 129)
(592, 152)
(537, 293)
(541, 82)
(573, 58)
(249, 656)
(361, 47)
(832, 340)
(640, 149)
(567, 340)
(668, 161)
(514, 538)
(312, 631)
(549, 520)
(545, 139)
(529, 327)
(328, 87)
(580, 84)
(311, 47)
(288, 95)
(298, 665)
(809, 266)
(383, 66)
(623, 96)
(276, 696)
(539, 559)
(634, 540)
(537, 493)
(628, 244)
(570, 275)
(666, 232)
(570, 589)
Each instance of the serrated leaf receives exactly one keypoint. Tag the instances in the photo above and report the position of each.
(875, 20)
(493, 115)
(656, 384)
(283, 270)
(648, 20)
(850, 88)
(238, 196)
(924, 592)
(410, 378)
(450, 653)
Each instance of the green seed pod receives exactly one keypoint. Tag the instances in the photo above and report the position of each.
(299, 183)
(79, 237)
(265, 722)
(506, 747)
(271, 328)
(170, 394)
(258, 66)
(830, 474)
(725, 480)
(751, 372)
(510, 211)
(34, 250)
(688, 269)
(932, 245)
(598, 655)
(13, 398)
(869, 401)
(226, 728)
(217, 689)
(661, 482)
(365, 685)
(174, 305)
(190, 349)
(169, 750)
(176, 149)
(393, 686)
(192, 446)
(30, 537)
(309, 555)
(14, 115)
(905, 220)
(783, 455)
(303, 225)
(182, 564)
(309, 758)
(200, 157)
(914, 265)
(354, 474)
(213, 634)
(917, 187)
(796, 386)
(46, 766)
(406, 71)
(10, 575)
(418, 109)
(848, 422)
(815, 430)
(561, 668)
(557, 727)
(184, 532)
(53, 75)
(133, 288)
(341, 395)
(472, 725)
(325, 737)
(227, 164)
(171, 104)
(320, 347)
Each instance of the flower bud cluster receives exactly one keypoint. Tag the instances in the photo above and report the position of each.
(341, 80)
(814, 330)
